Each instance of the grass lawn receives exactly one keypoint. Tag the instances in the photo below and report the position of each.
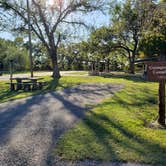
(79, 73)
(118, 129)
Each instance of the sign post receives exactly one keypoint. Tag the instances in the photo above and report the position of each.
(156, 71)
(161, 119)
(11, 70)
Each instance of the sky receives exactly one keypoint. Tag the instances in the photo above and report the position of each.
(6, 35)
(97, 19)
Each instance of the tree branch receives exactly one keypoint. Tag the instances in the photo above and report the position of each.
(75, 22)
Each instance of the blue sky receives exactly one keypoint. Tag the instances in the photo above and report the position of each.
(97, 19)
(6, 35)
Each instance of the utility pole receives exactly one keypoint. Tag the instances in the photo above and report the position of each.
(30, 39)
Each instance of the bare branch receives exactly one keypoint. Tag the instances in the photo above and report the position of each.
(76, 22)
(42, 17)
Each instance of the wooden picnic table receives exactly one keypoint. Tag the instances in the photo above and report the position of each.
(26, 83)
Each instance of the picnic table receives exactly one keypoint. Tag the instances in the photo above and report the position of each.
(26, 84)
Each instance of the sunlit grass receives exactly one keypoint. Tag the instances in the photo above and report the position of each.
(79, 73)
(118, 129)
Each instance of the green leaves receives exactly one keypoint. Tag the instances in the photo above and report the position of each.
(14, 51)
(154, 40)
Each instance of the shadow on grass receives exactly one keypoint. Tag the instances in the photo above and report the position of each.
(137, 98)
(130, 77)
(52, 85)
(7, 95)
(136, 101)
(130, 142)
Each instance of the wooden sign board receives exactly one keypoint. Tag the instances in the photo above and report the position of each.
(156, 71)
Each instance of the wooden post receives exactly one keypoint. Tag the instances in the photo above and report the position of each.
(156, 72)
(11, 76)
(108, 65)
(92, 67)
(30, 39)
(11, 70)
(161, 118)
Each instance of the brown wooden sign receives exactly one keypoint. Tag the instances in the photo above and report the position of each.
(156, 71)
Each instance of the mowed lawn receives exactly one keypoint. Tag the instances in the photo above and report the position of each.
(117, 129)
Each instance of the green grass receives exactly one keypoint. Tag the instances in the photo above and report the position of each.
(79, 73)
(52, 85)
(117, 129)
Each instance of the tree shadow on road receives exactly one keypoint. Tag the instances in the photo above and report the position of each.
(12, 113)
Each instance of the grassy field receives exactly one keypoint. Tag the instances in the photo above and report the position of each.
(119, 128)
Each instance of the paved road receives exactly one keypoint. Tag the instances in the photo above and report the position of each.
(29, 127)
(43, 73)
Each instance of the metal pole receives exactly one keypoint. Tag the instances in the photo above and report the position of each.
(30, 39)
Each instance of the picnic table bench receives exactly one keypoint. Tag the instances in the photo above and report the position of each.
(26, 84)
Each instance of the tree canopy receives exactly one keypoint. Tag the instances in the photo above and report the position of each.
(15, 51)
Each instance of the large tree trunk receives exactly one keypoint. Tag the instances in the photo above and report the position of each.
(56, 72)
(107, 66)
(133, 56)
(131, 67)
(131, 63)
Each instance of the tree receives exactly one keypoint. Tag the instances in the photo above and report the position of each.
(48, 19)
(14, 51)
(153, 42)
(103, 46)
(101, 41)
(129, 23)
(40, 59)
